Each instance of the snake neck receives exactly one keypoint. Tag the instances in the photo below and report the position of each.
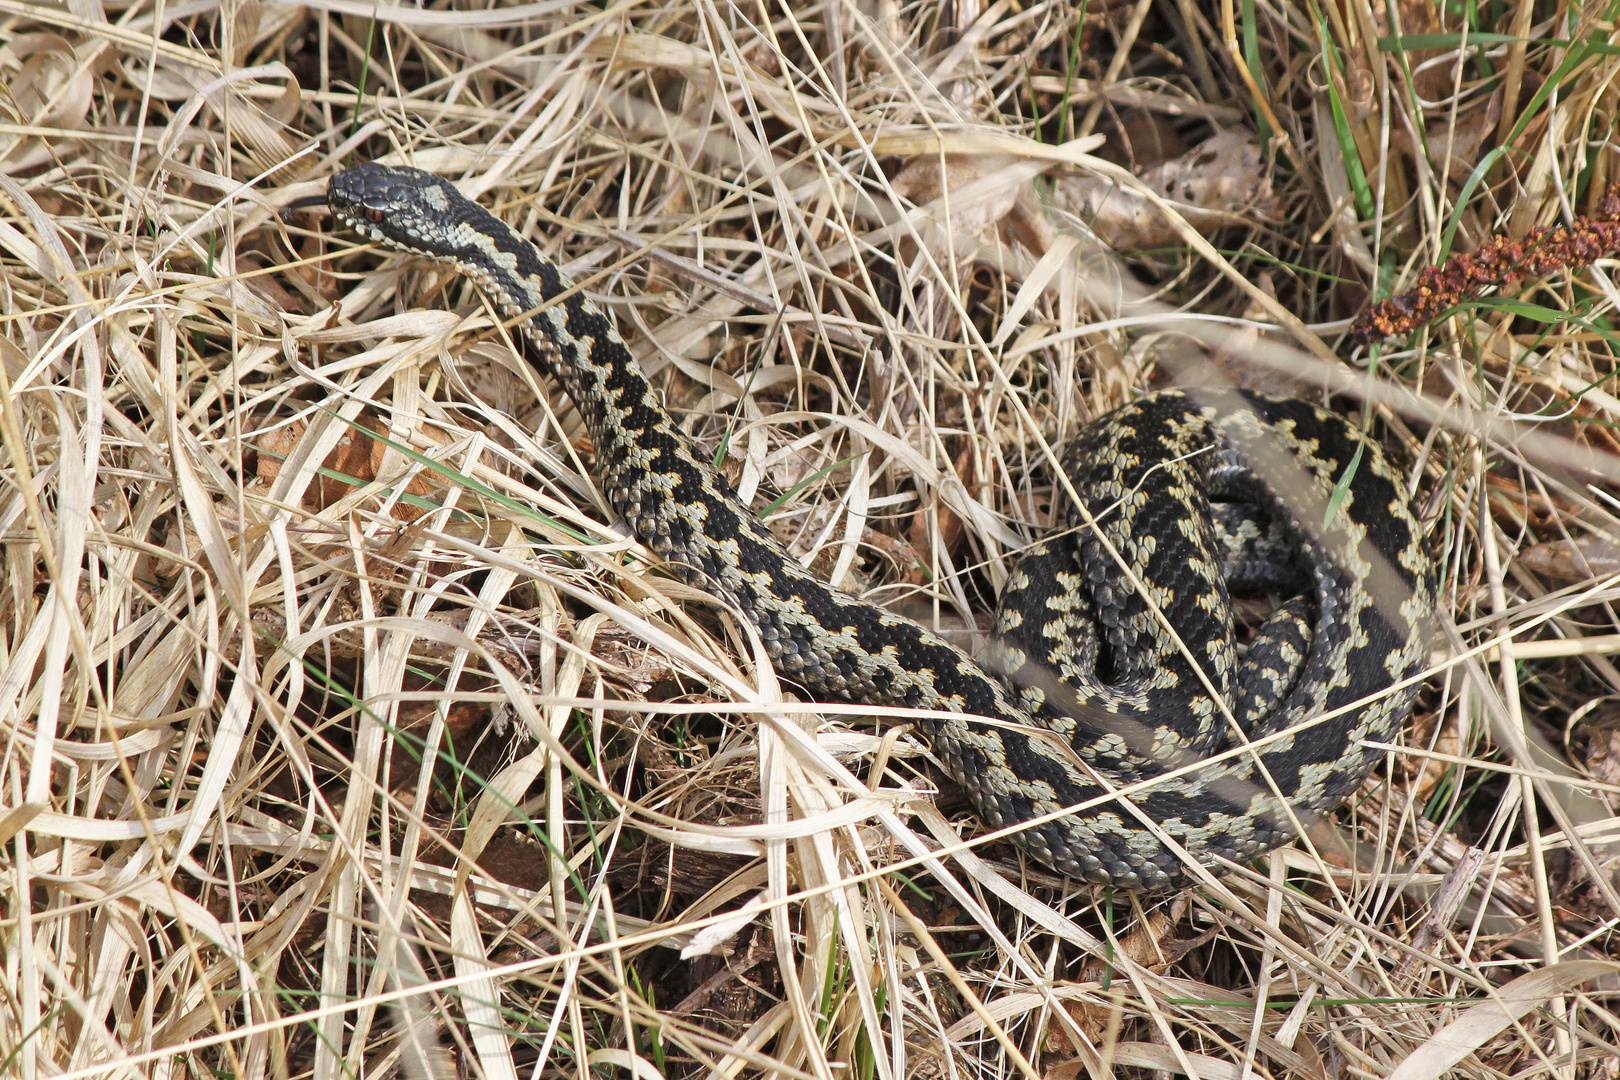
(838, 647)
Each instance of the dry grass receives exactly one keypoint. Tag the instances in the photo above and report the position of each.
(344, 734)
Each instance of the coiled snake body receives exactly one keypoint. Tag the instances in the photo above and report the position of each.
(1093, 690)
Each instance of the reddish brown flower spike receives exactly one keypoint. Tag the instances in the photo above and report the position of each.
(1500, 262)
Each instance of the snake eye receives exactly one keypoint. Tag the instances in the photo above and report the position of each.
(374, 214)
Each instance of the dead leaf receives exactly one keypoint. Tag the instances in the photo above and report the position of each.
(1454, 148)
(1143, 140)
(352, 463)
(1215, 184)
(1581, 559)
(1602, 757)
(950, 526)
(928, 177)
(1150, 946)
(46, 80)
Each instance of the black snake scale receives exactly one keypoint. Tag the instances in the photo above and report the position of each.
(1092, 686)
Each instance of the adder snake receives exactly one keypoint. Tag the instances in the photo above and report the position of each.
(1091, 690)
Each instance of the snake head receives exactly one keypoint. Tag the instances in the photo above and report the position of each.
(402, 207)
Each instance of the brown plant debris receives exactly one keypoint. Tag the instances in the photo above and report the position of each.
(1501, 262)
